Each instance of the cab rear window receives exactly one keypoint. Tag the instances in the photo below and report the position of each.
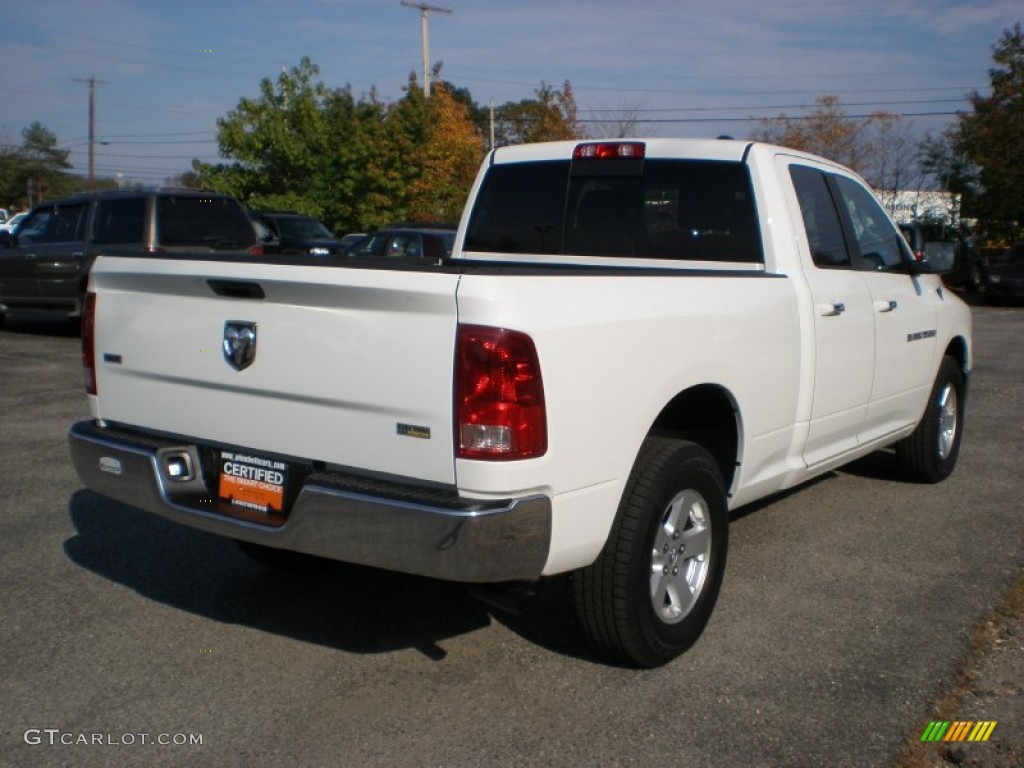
(692, 210)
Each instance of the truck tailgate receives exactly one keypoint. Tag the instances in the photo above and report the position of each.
(352, 366)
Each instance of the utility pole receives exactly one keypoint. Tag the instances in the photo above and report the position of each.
(492, 124)
(92, 125)
(425, 32)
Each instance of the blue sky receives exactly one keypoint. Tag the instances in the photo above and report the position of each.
(684, 68)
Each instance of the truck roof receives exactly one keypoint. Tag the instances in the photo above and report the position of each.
(705, 149)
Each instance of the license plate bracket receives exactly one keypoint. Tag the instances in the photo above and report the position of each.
(251, 482)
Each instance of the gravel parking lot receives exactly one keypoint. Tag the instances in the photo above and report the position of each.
(848, 608)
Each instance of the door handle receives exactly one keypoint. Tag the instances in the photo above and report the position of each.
(885, 306)
(831, 310)
(31, 256)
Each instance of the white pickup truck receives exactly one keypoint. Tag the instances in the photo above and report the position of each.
(630, 340)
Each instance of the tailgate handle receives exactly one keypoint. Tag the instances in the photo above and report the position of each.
(236, 289)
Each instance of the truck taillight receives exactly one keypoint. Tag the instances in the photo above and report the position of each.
(89, 342)
(499, 395)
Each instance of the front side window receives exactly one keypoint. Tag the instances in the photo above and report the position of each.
(821, 219)
(879, 243)
(60, 224)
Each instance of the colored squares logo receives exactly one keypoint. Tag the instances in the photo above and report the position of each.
(958, 730)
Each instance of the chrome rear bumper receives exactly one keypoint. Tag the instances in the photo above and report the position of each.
(411, 530)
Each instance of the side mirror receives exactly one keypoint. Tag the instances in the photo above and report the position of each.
(7, 239)
(939, 256)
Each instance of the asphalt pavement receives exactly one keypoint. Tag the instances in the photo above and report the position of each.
(847, 608)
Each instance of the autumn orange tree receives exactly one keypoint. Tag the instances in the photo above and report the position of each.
(449, 160)
(879, 146)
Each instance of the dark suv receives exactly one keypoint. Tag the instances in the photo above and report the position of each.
(45, 264)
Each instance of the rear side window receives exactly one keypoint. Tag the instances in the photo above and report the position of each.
(211, 222)
(120, 221)
(821, 219)
(663, 209)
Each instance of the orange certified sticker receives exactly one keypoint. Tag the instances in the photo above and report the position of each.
(252, 482)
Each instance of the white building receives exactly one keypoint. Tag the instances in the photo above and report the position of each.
(909, 205)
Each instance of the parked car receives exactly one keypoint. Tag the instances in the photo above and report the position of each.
(431, 244)
(927, 240)
(351, 240)
(1004, 277)
(45, 263)
(295, 233)
(12, 223)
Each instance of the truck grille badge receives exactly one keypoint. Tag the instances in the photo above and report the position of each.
(239, 343)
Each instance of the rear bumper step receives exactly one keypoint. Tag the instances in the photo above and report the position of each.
(466, 540)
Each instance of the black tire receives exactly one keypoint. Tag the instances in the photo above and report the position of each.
(974, 282)
(281, 559)
(930, 454)
(628, 613)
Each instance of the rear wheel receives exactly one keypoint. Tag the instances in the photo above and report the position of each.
(930, 454)
(650, 593)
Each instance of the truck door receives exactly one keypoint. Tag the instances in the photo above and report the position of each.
(844, 348)
(905, 312)
(43, 265)
(58, 256)
(17, 278)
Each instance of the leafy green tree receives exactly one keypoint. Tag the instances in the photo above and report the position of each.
(364, 163)
(277, 143)
(991, 138)
(37, 164)
(354, 163)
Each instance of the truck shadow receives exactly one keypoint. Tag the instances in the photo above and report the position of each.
(339, 605)
(348, 607)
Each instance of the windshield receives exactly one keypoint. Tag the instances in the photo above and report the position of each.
(303, 228)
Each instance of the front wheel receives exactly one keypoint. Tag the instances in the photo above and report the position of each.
(650, 593)
(929, 455)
